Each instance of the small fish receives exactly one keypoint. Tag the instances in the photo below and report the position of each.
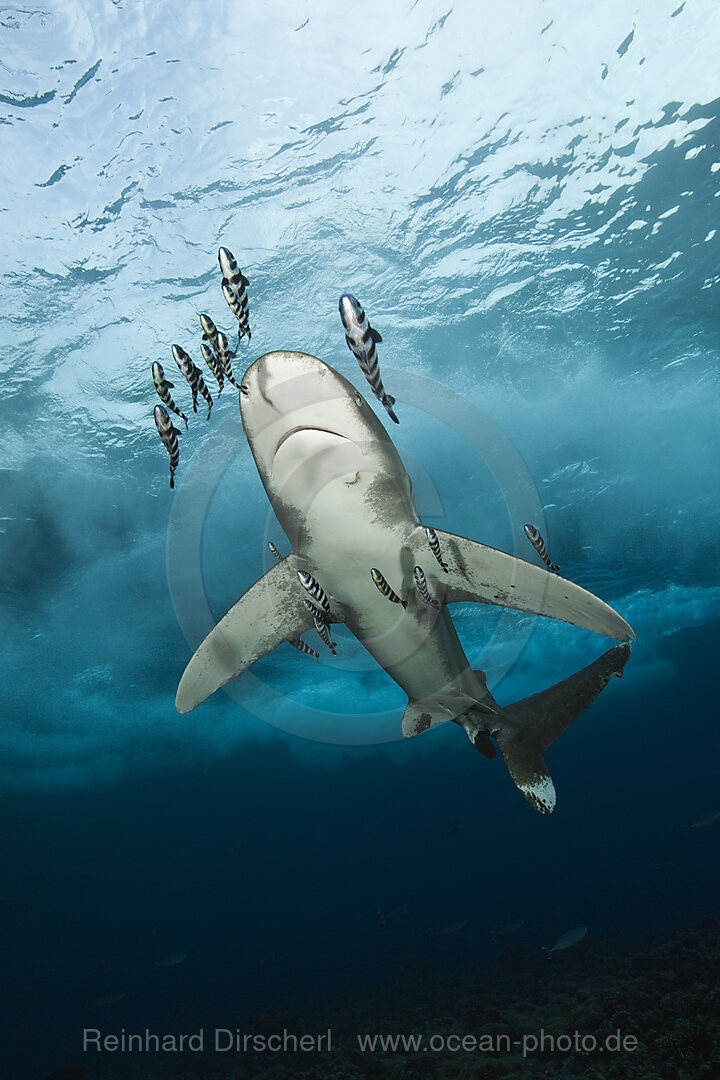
(313, 609)
(566, 940)
(214, 364)
(315, 589)
(274, 550)
(455, 829)
(704, 821)
(300, 645)
(225, 356)
(239, 310)
(539, 544)
(362, 339)
(356, 477)
(210, 331)
(172, 960)
(163, 388)
(321, 627)
(435, 547)
(453, 928)
(234, 286)
(399, 909)
(169, 435)
(386, 589)
(422, 588)
(193, 375)
(505, 931)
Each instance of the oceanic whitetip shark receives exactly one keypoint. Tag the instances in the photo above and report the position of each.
(342, 495)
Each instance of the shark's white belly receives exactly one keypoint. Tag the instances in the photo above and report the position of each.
(354, 518)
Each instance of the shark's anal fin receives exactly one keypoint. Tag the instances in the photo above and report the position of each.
(269, 613)
(488, 576)
(530, 726)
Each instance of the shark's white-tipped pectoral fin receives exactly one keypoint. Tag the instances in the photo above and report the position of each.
(268, 614)
(488, 576)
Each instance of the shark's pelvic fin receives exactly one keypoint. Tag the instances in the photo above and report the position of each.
(418, 718)
(488, 576)
(269, 613)
(471, 706)
(528, 727)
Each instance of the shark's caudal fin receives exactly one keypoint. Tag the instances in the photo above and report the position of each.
(530, 726)
(487, 576)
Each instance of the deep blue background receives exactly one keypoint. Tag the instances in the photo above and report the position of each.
(267, 871)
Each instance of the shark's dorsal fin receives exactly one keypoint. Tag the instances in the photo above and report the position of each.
(269, 613)
(488, 576)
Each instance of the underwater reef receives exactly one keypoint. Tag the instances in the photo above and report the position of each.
(661, 992)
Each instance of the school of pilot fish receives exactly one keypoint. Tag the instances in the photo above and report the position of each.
(215, 352)
(362, 340)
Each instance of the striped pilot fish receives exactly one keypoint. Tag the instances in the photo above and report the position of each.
(315, 589)
(302, 647)
(362, 339)
(239, 310)
(274, 551)
(234, 287)
(539, 544)
(168, 433)
(193, 375)
(225, 356)
(163, 388)
(321, 627)
(422, 587)
(210, 331)
(214, 364)
(386, 589)
(435, 547)
(314, 609)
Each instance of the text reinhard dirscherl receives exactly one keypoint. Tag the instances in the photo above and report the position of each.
(227, 1040)
(221, 1040)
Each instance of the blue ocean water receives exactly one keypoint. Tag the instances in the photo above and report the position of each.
(524, 199)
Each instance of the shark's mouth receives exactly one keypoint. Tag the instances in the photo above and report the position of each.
(305, 427)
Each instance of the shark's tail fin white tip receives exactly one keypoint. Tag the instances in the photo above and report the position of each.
(539, 791)
(523, 756)
(530, 726)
